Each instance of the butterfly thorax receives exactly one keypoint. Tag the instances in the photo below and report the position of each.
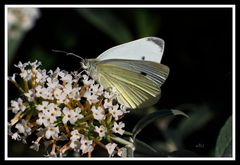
(90, 66)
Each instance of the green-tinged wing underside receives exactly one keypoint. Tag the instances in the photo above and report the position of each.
(137, 82)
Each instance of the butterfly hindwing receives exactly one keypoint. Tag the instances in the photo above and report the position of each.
(151, 70)
(128, 94)
(137, 82)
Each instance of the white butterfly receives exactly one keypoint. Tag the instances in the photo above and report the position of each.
(133, 69)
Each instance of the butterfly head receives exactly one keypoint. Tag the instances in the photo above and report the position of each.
(85, 64)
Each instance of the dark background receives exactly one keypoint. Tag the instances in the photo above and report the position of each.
(198, 51)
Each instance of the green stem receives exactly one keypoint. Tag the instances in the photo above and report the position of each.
(99, 143)
(25, 85)
(29, 115)
(122, 141)
(128, 133)
(87, 118)
(17, 117)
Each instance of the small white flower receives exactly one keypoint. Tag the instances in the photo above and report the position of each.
(109, 95)
(123, 108)
(34, 64)
(52, 83)
(86, 145)
(26, 74)
(77, 114)
(30, 95)
(52, 132)
(52, 112)
(71, 115)
(107, 103)
(91, 97)
(65, 77)
(60, 95)
(75, 144)
(117, 128)
(75, 135)
(57, 93)
(20, 65)
(17, 105)
(35, 146)
(98, 113)
(12, 78)
(110, 148)
(120, 151)
(67, 115)
(43, 119)
(42, 107)
(67, 88)
(20, 128)
(23, 127)
(21, 20)
(115, 112)
(41, 91)
(101, 130)
(86, 81)
(48, 93)
(96, 89)
(41, 76)
(75, 94)
(55, 73)
(77, 75)
(53, 154)
(16, 136)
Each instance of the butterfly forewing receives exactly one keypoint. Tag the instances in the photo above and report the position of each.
(147, 49)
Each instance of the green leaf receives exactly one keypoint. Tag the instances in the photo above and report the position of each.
(154, 116)
(183, 153)
(37, 53)
(13, 45)
(200, 115)
(224, 141)
(143, 148)
(198, 118)
(107, 22)
(147, 24)
(228, 151)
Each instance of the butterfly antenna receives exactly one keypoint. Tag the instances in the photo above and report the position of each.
(83, 61)
(68, 54)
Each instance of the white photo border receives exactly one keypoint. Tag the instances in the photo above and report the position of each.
(232, 6)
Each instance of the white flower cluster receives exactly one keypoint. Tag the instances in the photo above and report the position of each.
(21, 20)
(62, 106)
